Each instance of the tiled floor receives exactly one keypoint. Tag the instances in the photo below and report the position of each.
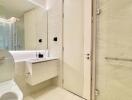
(53, 93)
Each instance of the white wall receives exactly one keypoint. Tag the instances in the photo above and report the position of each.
(35, 26)
(55, 26)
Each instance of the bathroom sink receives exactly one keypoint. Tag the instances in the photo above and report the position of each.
(35, 60)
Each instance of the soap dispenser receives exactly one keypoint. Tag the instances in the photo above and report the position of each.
(40, 55)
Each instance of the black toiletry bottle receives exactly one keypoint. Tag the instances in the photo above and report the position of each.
(40, 55)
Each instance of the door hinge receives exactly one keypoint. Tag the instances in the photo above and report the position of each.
(98, 11)
(97, 92)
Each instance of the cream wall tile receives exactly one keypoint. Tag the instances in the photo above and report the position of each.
(35, 25)
(55, 30)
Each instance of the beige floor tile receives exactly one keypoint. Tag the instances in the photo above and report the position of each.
(53, 93)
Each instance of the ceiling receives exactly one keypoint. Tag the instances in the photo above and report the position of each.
(14, 8)
(40, 3)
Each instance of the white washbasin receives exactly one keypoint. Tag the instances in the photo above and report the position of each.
(35, 60)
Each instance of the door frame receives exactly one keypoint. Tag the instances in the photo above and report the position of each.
(94, 40)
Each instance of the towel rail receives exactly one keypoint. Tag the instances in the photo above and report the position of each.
(118, 59)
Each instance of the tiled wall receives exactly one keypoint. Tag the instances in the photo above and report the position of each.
(35, 25)
(55, 27)
(55, 30)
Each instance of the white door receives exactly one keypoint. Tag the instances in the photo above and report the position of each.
(77, 47)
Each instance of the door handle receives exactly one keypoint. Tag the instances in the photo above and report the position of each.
(87, 56)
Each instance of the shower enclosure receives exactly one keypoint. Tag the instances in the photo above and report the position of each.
(113, 48)
(9, 35)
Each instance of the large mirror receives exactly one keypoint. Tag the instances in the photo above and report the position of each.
(23, 25)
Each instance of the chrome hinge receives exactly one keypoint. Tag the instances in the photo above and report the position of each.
(98, 11)
(97, 92)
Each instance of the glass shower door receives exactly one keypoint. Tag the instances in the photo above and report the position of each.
(4, 35)
(114, 50)
(8, 37)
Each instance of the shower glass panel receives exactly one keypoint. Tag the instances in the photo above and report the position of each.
(114, 50)
(8, 36)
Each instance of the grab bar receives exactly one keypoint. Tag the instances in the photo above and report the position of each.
(118, 59)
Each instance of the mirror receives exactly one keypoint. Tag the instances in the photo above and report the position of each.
(23, 25)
